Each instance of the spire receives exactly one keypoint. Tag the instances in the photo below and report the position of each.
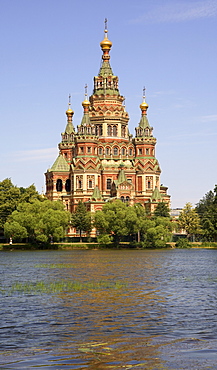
(69, 127)
(144, 106)
(106, 83)
(106, 45)
(85, 103)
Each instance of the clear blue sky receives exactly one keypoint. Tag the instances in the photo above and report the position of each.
(50, 48)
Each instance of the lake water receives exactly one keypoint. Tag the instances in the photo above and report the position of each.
(127, 309)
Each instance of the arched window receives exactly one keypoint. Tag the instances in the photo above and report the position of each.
(108, 184)
(68, 185)
(90, 184)
(123, 151)
(109, 130)
(107, 151)
(115, 131)
(115, 150)
(147, 151)
(122, 199)
(100, 151)
(123, 131)
(127, 199)
(59, 185)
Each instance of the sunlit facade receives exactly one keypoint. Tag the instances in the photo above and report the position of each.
(102, 161)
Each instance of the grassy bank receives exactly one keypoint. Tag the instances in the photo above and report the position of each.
(86, 246)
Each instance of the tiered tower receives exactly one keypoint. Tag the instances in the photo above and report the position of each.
(102, 161)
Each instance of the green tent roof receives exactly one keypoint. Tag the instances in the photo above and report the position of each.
(156, 195)
(96, 194)
(60, 165)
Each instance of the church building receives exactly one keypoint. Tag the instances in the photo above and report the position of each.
(102, 161)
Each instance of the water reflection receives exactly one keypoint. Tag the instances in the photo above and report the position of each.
(164, 309)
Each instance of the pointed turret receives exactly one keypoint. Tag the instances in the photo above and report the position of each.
(96, 194)
(86, 127)
(69, 127)
(106, 82)
(144, 129)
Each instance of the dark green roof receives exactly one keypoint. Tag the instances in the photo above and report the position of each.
(121, 177)
(60, 165)
(105, 69)
(85, 119)
(144, 122)
(156, 195)
(69, 128)
(96, 194)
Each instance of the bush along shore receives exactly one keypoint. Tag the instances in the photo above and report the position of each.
(181, 244)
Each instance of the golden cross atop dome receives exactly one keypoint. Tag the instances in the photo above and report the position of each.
(144, 105)
(86, 102)
(144, 93)
(69, 100)
(106, 44)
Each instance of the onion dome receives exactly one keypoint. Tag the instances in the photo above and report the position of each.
(106, 44)
(85, 103)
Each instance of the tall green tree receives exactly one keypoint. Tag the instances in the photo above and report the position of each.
(40, 221)
(189, 220)
(9, 198)
(162, 210)
(207, 211)
(81, 219)
(115, 221)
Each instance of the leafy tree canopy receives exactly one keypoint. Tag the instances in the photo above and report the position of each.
(11, 196)
(39, 221)
(189, 220)
(81, 219)
(207, 210)
(162, 210)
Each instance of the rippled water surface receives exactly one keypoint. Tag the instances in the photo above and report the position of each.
(107, 309)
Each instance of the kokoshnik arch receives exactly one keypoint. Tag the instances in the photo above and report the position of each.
(102, 161)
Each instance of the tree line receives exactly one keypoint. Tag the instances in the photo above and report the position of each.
(27, 215)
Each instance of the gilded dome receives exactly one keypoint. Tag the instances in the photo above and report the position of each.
(69, 111)
(144, 105)
(106, 44)
(85, 103)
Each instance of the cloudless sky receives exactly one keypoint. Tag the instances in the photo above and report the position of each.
(50, 48)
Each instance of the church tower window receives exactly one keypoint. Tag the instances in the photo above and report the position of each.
(109, 184)
(59, 185)
(109, 130)
(115, 131)
(115, 150)
(68, 185)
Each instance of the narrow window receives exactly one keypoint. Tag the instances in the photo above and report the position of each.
(90, 184)
(68, 185)
(115, 151)
(147, 151)
(114, 130)
(59, 185)
(109, 184)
